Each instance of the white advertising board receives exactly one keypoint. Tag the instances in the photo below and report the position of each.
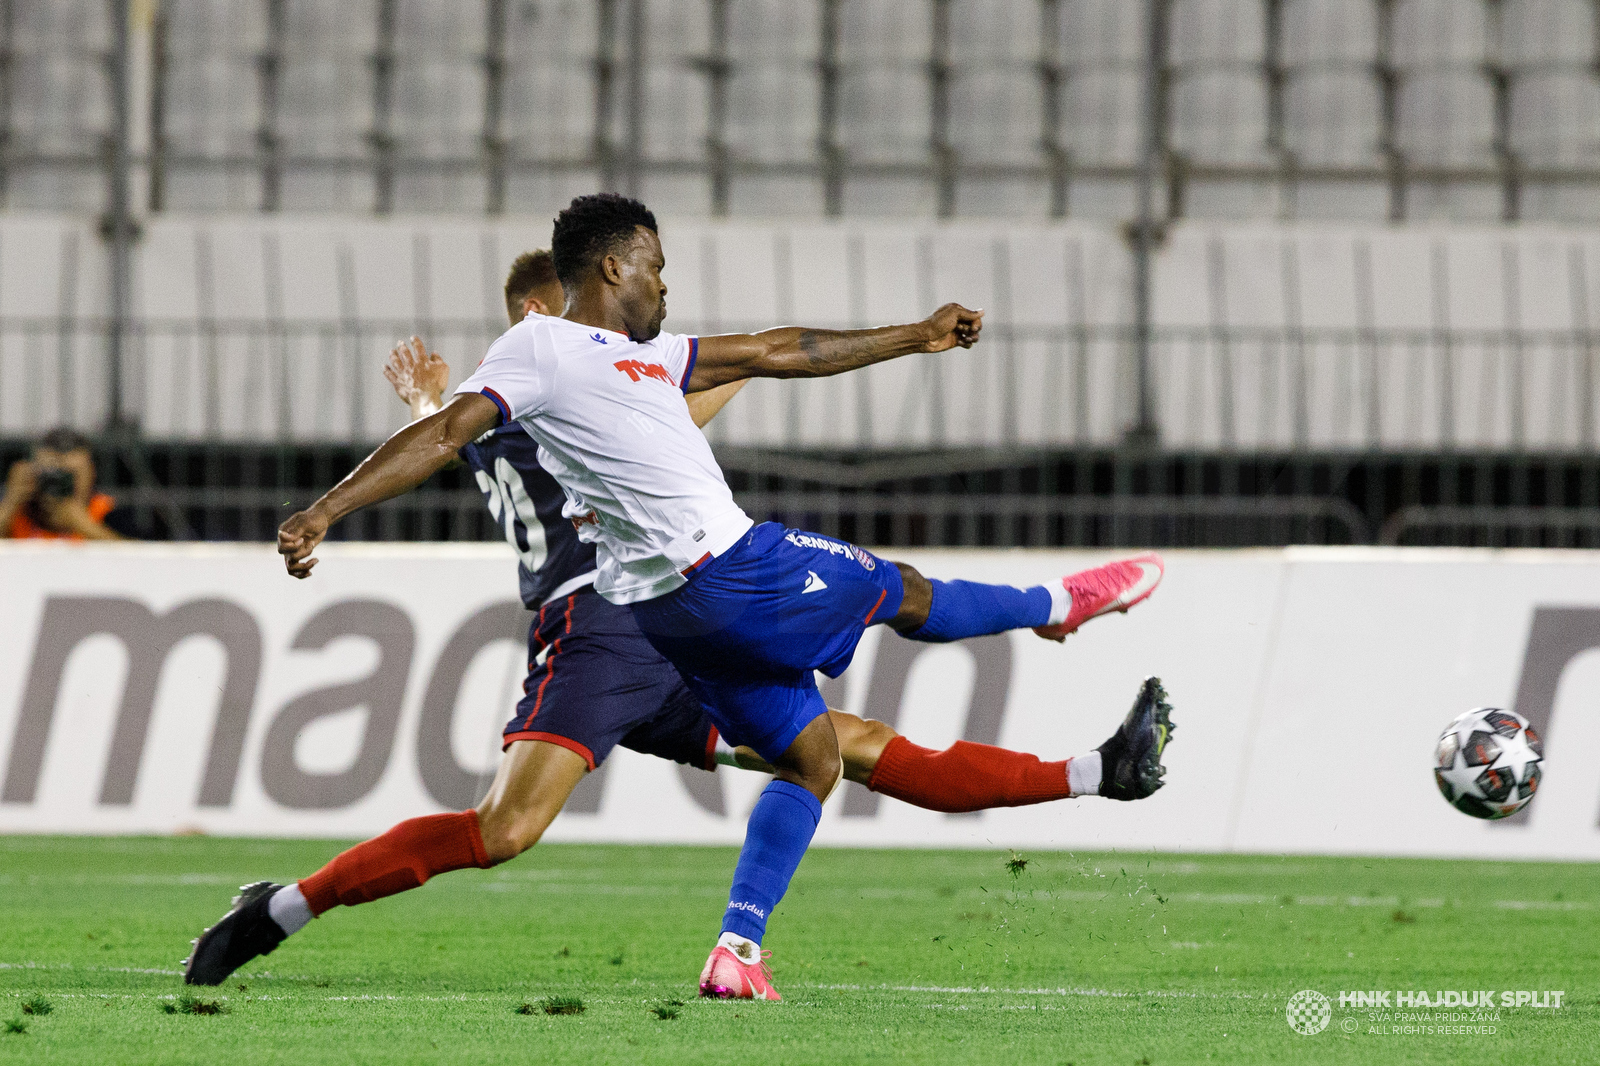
(152, 689)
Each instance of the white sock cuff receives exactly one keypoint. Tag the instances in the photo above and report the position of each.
(1060, 603)
(288, 907)
(749, 951)
(1083, 774)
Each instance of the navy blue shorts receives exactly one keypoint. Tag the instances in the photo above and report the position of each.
(752, 625)
(602, 684)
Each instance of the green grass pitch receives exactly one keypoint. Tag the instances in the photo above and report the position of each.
(882, 956)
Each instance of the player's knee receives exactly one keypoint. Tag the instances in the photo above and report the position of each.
(507, 834)
(861, 742)
(812, 758)
(822, 774)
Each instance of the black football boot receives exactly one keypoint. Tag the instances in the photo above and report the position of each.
(1130, 762)
(245, 932)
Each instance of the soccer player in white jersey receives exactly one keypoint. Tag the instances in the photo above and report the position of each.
(746, 612)
(594, 683)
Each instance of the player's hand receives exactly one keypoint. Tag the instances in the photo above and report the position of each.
(416, 373)
(951, 326)
(298, 538)
(22, 480)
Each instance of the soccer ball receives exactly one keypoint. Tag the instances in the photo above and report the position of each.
(1487, 763)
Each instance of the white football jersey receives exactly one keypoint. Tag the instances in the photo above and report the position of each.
(615, 432)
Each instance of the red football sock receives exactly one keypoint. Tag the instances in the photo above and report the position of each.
(966, 776)
(401, 859)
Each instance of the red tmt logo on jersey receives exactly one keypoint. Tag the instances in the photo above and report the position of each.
(636, 370)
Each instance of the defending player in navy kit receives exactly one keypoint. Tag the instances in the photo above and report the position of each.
(600, 682)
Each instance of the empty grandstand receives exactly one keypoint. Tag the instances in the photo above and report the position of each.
(1257, 271)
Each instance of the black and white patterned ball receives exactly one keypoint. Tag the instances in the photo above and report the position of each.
(1488, 762)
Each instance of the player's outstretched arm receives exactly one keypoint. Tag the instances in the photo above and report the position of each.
(797, 352)
(703, 406)
(400, 464)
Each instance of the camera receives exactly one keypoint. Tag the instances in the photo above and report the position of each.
(56, 483)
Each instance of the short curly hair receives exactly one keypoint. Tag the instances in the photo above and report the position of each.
(529, 271)
(591, 228)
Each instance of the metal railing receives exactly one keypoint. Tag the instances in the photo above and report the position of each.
(1034, 521)
(1494, 527)
(1079, 497)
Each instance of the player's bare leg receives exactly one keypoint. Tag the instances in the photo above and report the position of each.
(533, 783)
(976, 777)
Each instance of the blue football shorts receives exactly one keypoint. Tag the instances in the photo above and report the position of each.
(751, 626)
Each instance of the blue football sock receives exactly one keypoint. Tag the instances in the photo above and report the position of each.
(775, 841)
(964, 609)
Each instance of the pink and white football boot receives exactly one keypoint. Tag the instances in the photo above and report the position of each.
(1112, 587)
(727, 976)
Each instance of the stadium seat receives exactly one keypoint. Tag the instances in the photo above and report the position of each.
(1102, 33)
(59, 105)
(773, 89)
(437, 106)
(1541, 33)
(1216, 33)
(438, 117)
(676, 100)
(885, 114)
(1101, 116)
(549, 108)
(773, 107)
(1555, 119)
(213, 108)
(326, 99)
(438, 91)
(1331, 118)
(1330, 33)
(59, 99)
(1101, 45)
(1217, 97)
(1219, 116)
(325, 105)
(997, 96)
(46, 269)
(1549, 356)
(1447, 119)
(1435, 35)
(997, 116)
(884, 104)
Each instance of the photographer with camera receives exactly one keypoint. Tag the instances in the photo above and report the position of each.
(51, 494)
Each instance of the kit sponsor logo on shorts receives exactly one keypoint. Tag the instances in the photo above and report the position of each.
(832, 547)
